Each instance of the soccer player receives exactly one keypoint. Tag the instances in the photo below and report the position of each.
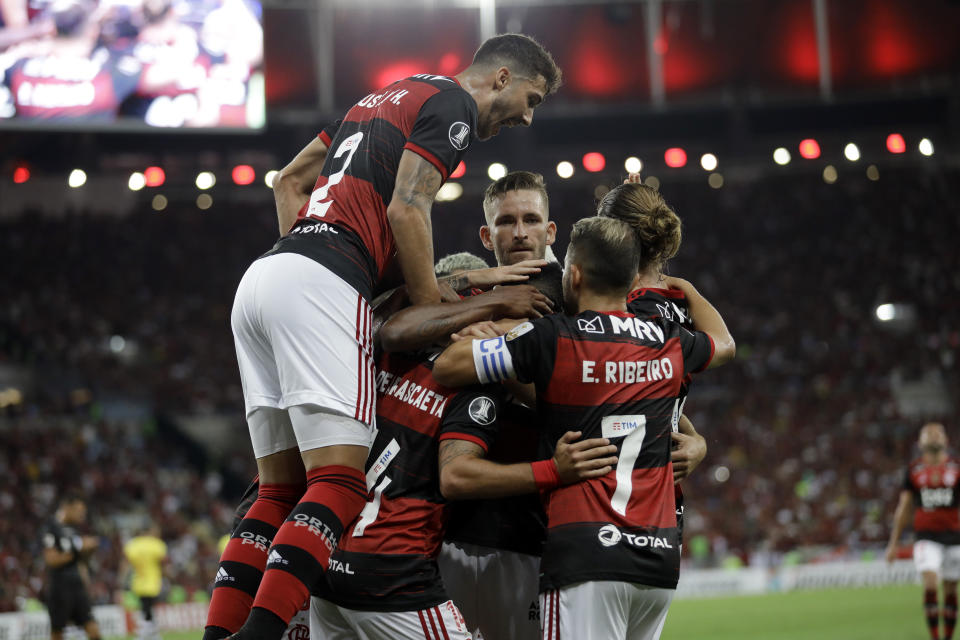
(302, 320)
(931, 483)
(146, 553)
(611, 561)
(659, 231)
(64, 551)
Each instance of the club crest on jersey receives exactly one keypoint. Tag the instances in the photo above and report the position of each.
(482, 410)
(519, 330)
(594, 325)
(459, 135)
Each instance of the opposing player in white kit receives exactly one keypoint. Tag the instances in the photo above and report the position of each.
(302, 322)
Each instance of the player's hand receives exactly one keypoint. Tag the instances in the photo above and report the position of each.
(633, 178)
(520, 272)
(690, 452)
(891, 553)
(520, 301)
(671, 282)
(477, 331)
(584, 459)
(447, 294)
(90, 543)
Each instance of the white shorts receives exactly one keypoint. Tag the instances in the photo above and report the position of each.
(604, 610)
(496, 590)
(303, 338)
(938, 558)
(330, 622)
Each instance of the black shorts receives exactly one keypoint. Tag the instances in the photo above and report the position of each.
(68, 602)
(146, 605)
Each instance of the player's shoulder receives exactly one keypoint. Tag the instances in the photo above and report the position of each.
(671, 304)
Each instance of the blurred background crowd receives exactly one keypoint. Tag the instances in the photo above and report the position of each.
(123, 325)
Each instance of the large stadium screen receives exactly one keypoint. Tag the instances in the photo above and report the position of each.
(147, 63)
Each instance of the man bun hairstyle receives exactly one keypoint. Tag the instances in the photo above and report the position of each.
(607, 251)
(515, 181)
(658, 228)
(523, 56)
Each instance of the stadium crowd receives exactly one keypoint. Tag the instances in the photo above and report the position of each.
(807, 443)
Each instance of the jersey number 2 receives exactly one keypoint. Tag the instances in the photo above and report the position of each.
(319, 202)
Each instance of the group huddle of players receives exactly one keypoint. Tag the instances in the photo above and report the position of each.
(168, 63)
(487, 453)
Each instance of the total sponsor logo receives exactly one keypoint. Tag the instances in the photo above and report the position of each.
(341, 567)
(609, 536)
(322, 227)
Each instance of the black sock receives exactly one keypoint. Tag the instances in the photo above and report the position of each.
(262, 623)
(932, 612)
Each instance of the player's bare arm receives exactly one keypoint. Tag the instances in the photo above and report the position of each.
(409, 215)
(901, 518)
(466, 474)
(424, 325)
(707, 319)
(691, 449)
(293, 184)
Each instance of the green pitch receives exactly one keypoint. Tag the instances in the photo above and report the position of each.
(849, 614)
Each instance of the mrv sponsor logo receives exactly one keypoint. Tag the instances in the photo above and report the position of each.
(609, 536)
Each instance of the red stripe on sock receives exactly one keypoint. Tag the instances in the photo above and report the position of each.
(228, 608)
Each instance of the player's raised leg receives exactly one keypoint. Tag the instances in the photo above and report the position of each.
(319, 332)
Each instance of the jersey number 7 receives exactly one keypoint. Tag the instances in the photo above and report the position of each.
(634, 428)
(319, 203)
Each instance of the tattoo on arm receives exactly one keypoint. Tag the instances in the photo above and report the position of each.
(450, 449)
(457, 282)
(419, 188)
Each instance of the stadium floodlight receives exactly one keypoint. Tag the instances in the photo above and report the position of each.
(721, 474)
(496, 171)
(926, 147)
(851, 152)
(886, 312)
(565, 169)
(243, 174)
(204, 201)
(809, 149)
(675, 157)
(715, 180)
(594, 162)
(77, 178)
(269, 176)
(117, 344)
(781, 156)
(633, 164)
(205, 180)
(873, 173)
(137, 181)
(896, 143)
(449, 192)
(20, 175)
(460, 171)
(154, 176)
(708, 161)
(653, 182)
(159, 202)
(830, 174)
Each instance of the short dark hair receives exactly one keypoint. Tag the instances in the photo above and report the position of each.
(515, 181)
(607, 251)
(521, 54)
(71, 496)
(549, 282)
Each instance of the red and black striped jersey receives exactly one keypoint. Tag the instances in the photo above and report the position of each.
(672, 305)
(613, 375)
(386, 559)
(344, 225)
(513, 523)
(934, 489)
